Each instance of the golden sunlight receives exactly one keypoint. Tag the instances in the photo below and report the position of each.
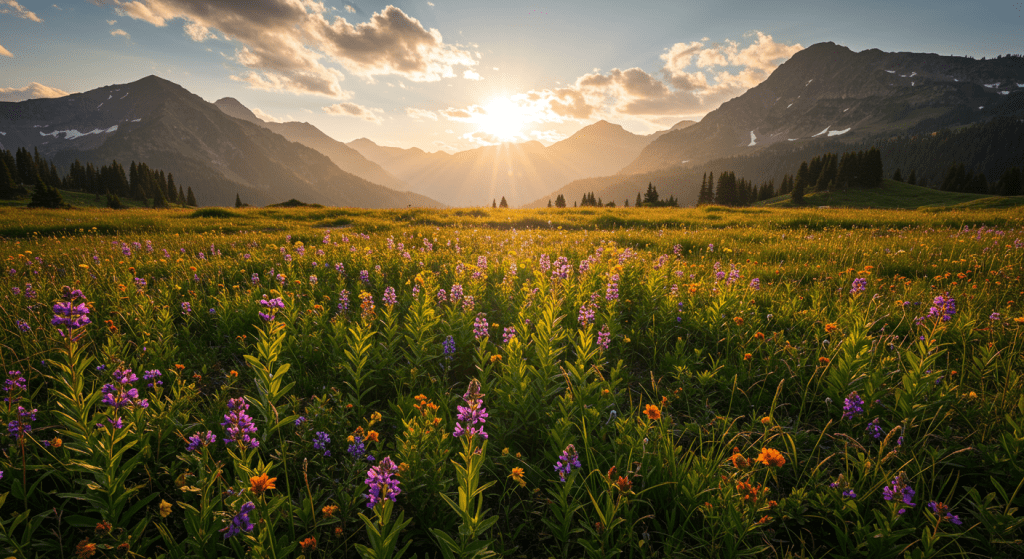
(503, 119)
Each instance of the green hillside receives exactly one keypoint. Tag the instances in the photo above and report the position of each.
(81, 200)
(897, 195)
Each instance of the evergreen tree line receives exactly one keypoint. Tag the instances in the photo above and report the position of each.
(730, 191)
(22, 170)
(961, 179)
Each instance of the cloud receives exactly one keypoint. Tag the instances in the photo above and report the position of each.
(469, 114)
(471, 75)
(111, 22)
(5, 52)
(420, 114)
(120, 33)
(350, 9)
(290, 44)
(352, 109)
(31, 91)
(265, 117)
(547, 136)
(12, 7)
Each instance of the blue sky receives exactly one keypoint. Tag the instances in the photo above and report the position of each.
(454, 74)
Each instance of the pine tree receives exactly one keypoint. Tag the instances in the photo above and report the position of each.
(560, 201)
(26, 171)
(638, 202)
(651, 197)
(190, 199)
(172, 194)
(113, 202)
(45, 196)
(7, 190)
(494, 203)
(897, 176)
(626, 203)
(181, 196)
(503, 203)
(238, 201)
(913, 178)
(159, 200)
(549, 203)
(799, 184)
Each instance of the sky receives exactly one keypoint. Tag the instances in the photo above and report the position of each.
(457, 74)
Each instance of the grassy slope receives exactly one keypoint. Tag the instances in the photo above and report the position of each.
(77, 200)
(898, 195)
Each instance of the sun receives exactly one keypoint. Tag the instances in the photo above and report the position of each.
(502, 119)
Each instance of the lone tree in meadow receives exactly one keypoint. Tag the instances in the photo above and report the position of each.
(503, 203)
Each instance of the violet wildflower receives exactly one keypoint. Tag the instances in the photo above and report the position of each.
(587, 312)
(68, 314)
(994, 317)
(442, 296)
(200, 440)
(300, 420)
(255, 278)
(874, 429)
(154, 376)
(899, 491)
(859, 285)
(24, 327)
(943, 307)
(313, 279)
(841, 484)
(390, 299)
(449, 347)
(343, 301)
(382, 483)
(612, 291)
(21, 426)
(14, 385)
(604, 338)
(364, 276)
(186, 307)
(272, 306)
(853, 405)
(472, 413)
(942, 511)
(320, 442)
(755, 284)
(456, 293)
(508, 334)
(121, 393)
(567, 461)
(240, 522)
(239, 425)
(480, 327)
(358, 449)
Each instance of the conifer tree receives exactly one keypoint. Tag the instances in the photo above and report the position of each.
(912, 179)
(549, 203)
(638, 202)
(560, 201)
(897, 176)
(503, 203)
(494, 203)
(181, 196)
(172, 193)
(190, 199)
(799, 184)
(7, 190)
(159, 200)
(45, 196)
(238, 201)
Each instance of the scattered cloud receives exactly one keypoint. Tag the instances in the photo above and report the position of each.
(266, 117)
(31, 91)
(12, 7)
(420, 114)
(547, 136)
(352, 109)
(5, 52)
(291, 45)
(111, 22)
(431, 4)
(120, 33)
(471, 75)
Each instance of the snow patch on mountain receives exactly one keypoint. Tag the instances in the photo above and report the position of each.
(838, 132)
(992, 85)
(137, 120)
(72, 134)
(753, 139)
(822, 132)
(891, 71)
(789, 105)
(1004, 92)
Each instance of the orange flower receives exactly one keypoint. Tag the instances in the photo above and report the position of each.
(831, 327)
(747, 356)
(738, 320)
(84, 549)
(771, 457)
(652, 412)
(766, 420)
(103, 527)
(823, 360)
(759, 336)
(232, 373)
(624, 484)
(308, 544)
(738, 461)
(748, 491)
(517, 476)
(372, 437)
(338, 531)
(329, 510)
(261, 483)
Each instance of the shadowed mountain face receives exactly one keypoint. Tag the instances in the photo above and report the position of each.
(518, 172)
(828, 90)
(160, 123)
(346, 158)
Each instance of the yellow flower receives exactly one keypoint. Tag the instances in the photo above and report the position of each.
(517, 476)
(165, 508)
(261, 483)
(375, 417)
(83, 266)
(771, 457)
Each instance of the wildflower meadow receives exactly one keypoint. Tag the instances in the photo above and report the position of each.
(314, 382)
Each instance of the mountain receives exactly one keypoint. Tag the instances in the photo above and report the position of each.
(827, 90)
(162, 124)
(519, 172)
(346, 158)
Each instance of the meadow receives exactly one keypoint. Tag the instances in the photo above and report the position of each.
(322, 382)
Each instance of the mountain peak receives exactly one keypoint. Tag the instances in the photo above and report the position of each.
(233, 107)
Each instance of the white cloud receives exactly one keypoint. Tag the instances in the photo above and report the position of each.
(471, 75)
(33, 90)
(120, 33)
(420, 114)
(12, 7)
(5, 52)
(266, 117)
(111, 22)
(352, 109)
(290, 44)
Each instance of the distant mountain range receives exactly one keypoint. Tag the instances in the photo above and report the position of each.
(160, 123)
(518, 172)
(824, 98)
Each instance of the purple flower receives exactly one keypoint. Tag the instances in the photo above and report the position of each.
(239, 425)
(24, 327)
(853, 405)
(508, 334)
(15, 383)
(364, 276)
(255, 278)
(943, 512)
(472, 413)
(449, 347)
(186, 307)
(456, 293)
(69, 315)
(200, 440)
(240, 522)
(995, 317)
(389, 299)
(586, 314)
(943, 307)
(480, 326)
(272, 306)
(313, 279)
(154, 376)
(859, 285)
(358, 449)
(874, 429)
(23, 424)
(899, 491)
(612, 291)
(343, 301)
(442, 296)
(382, 483)
(320, 442)
(755, 284)
(604, 338)
(567, 461)
(120, 393)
